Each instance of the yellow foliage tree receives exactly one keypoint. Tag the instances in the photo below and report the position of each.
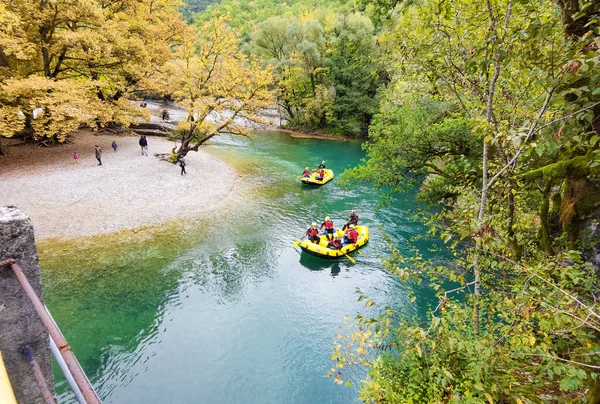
(221, 89)
(77, 61)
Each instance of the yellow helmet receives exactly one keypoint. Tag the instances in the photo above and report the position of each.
(327, 219)
(351, 226)
(306, 168)
(314, 224)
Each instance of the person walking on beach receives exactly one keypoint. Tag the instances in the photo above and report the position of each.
(76, 157)
(182, 165)
(114, 145)
(98, 154)
(144, 144)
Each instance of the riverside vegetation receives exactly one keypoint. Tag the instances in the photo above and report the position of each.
(494, 111)
(491, 107)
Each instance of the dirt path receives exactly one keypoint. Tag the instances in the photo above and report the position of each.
(65, 199)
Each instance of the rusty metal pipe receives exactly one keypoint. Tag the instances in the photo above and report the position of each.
(65, 350)
(63, 366)
(39, 377)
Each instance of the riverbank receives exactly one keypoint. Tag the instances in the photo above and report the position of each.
(300, 134)
(128, 190)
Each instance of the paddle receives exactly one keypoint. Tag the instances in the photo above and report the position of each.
(298, 242)
(352, 260)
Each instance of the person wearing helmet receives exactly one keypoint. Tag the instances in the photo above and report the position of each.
(351, 235)
(353, 220)
(320, 175)
(322, 165)
(329, 230)
(306, 173)
(313, 233)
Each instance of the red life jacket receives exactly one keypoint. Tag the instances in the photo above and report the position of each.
(353, 235)
(306, 173)
(329, 225)
(312, 232)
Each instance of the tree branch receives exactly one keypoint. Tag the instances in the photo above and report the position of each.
(557, 358)
(527, 138)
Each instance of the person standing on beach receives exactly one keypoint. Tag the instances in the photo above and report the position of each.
(98, 154)
(144, 144)
(76, 157)
(114, 145)
(182, 165)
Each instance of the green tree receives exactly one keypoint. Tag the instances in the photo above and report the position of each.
(354, 54)
(425, 138)
(528, 329)
(318, 58)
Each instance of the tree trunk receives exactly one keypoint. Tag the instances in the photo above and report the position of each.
(576, 23)
(510, 222)
(478, 241)
(288, 108)
(545, 238)
(180, 153)
(489, 117)
(512, 241)
(186, 143)
(28, 127)
(4, 62)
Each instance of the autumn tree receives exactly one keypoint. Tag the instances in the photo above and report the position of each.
(91, 54)
(221, 89)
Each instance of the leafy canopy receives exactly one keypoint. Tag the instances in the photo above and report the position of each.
(74, 62)
(221, 89)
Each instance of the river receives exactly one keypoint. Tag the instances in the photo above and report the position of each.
(223, 309)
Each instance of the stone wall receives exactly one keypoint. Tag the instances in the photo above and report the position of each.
(20, 325)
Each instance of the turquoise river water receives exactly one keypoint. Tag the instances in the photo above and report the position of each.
(223, 309)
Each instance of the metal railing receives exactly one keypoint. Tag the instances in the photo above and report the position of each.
(60, 348)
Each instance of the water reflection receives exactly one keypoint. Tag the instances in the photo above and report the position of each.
(318, 264)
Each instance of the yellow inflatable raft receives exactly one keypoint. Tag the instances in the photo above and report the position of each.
(312, 180)
(7, 396)
(321, 250)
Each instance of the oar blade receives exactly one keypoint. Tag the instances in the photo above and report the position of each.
(352, 260)
(296, 243)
